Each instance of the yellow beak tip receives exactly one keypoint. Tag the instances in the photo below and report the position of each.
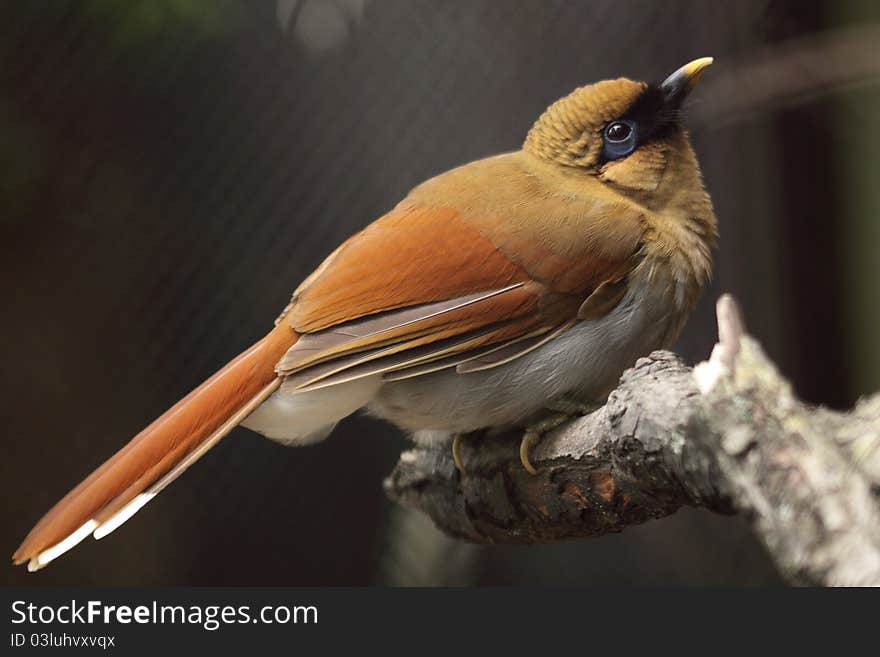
(694, 70)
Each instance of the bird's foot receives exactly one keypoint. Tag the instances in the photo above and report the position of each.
(563, 409)
(457, 445)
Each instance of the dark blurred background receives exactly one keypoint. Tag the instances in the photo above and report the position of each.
(171, 169)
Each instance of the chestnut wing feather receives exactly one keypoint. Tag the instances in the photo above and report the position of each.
(421, 289)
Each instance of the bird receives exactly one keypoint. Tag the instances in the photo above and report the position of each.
(492, 295)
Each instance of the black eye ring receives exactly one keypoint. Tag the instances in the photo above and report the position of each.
(618, 131)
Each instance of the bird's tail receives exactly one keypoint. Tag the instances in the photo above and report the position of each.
(160, 453)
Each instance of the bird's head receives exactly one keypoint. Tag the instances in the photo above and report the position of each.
(628, 134)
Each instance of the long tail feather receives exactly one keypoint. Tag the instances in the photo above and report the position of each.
(159, 453)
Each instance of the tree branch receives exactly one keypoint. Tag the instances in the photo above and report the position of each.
(729, 436)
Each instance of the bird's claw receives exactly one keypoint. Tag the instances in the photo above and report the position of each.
(563, 410)
(456, 453)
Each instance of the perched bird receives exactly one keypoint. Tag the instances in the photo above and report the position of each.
(511, 285)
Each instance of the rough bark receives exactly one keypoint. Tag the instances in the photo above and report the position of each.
(729, 436)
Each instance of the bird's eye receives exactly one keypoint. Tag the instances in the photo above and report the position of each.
(617, 131)
(620, 139)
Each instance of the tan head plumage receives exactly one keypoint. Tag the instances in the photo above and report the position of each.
(648, 160)
(577, 131)
(570, 130)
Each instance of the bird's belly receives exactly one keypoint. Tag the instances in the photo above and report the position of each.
(583, 363)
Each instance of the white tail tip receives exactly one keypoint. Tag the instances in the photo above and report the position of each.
(52, 553)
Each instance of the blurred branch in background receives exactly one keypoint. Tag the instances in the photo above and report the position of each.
(415, 553)
(729, 435)
(792, 73)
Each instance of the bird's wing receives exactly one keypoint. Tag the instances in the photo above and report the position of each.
(428, 286)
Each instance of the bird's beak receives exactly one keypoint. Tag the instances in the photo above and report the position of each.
(678, 85)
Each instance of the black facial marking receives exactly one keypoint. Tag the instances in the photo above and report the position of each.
(649, 117)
